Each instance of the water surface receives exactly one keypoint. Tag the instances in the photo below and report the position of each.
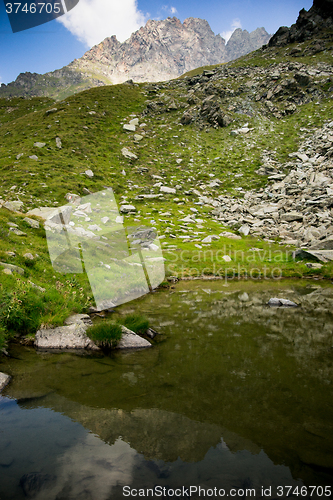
(233, 394)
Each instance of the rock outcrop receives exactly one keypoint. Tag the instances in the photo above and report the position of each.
(308, 24)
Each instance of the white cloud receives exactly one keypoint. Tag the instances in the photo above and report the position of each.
(169, 10)
(93, 20)
(236, 23)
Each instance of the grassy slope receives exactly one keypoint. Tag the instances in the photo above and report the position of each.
(95, 140)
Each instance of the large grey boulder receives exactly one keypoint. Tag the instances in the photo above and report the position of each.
(71, 336)
(58, 215)
(130, 340)
(13, 206)
(322, 255)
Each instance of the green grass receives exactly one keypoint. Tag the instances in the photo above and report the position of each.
(135, 322)
(95, 141)
(105, 334)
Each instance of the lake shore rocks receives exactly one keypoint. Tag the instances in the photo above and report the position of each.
(130, 340)
(4, 380)
(71, 336)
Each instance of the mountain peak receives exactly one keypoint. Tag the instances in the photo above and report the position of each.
(162, 50)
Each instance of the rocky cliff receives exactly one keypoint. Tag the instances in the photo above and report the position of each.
(309, 23)
(160, 50)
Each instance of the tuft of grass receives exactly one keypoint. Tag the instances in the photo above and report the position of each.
(135, 322)
(105, 334)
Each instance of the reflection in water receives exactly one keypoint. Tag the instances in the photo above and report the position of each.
(234, 394)
(47, 455)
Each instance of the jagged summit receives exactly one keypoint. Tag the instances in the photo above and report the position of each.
(160, 50)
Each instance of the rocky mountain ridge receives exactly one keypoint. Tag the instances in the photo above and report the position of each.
(309, 24)
(160, 50)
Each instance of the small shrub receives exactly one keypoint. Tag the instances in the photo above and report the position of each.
(135, 322)
(21, 309)
(105, 335)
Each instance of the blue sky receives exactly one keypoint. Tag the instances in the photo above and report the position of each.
(58, 42)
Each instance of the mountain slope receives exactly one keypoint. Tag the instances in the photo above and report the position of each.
(229, 165)
(161, 50)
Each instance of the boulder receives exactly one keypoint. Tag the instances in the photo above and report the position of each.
(292, 216)
(12, 268)
(28, 256)
(72, 336)
(17, 231)
(128, 154)
(39, 144)
(245, 230)
(13, 206)
(89, 173)
(129, 128)
(32, 223)
(58, 215)
(124, 209)
(321, 255)
(326, 244)
(58, 142)
(130, 340)
(277, 302)
(4, 380)
(232, 236)
(168, 190)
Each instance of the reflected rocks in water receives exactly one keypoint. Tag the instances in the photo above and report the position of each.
(232, 391)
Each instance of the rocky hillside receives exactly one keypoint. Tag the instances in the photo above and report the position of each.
(231, 165)
(161, 50)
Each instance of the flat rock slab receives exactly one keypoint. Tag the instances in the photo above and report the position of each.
(276, 302)
(72, 336)
(4, 380)
(130, 340)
